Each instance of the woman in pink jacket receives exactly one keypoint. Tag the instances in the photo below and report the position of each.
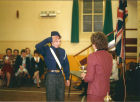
(99, 67)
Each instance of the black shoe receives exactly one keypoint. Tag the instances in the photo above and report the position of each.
(77, 87)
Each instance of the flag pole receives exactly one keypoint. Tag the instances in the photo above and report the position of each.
(124, 56)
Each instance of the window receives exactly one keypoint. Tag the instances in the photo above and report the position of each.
(91, 13)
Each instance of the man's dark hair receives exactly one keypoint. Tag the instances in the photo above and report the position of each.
(8, 49)
(23, 50)
(35, 51)
(100, 41)
(16, 50)
(55, 33)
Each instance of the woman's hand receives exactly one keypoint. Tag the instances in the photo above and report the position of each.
(83, 75)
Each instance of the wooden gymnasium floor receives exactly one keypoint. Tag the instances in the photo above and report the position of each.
(31, 93)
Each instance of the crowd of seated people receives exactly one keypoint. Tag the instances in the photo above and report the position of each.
(16, 69)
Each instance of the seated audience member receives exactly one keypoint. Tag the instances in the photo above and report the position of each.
(28, 53)
(15, 54)
(134, 78)
(138, 76)
(7, 68)
(22, 66)
(1, 60)
(1, 64)
(138, 64)
(1, 82)
(37, 66)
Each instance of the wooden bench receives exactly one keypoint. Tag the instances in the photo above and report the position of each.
(131, 48)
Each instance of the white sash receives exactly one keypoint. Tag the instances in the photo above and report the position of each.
(55, 57)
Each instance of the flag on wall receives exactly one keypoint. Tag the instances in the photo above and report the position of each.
(75, 22)
(119, 34)
(108, 24)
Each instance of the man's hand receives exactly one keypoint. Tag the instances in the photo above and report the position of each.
(67, 83)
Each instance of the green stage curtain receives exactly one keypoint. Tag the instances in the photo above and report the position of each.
(75, 22)
(108, 24)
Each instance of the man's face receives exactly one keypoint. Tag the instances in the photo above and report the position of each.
(23, 54)
(28, 51)
(36, 55)
(9, 52)
(16, 53)
(56, 42)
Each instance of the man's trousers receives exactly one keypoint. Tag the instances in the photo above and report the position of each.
(55, 87)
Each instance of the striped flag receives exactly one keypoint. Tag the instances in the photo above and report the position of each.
(121, 16)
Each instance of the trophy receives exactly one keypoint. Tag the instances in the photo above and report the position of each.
(82, 69)
(107, 98)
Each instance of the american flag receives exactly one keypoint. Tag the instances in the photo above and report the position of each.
(121, 16)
